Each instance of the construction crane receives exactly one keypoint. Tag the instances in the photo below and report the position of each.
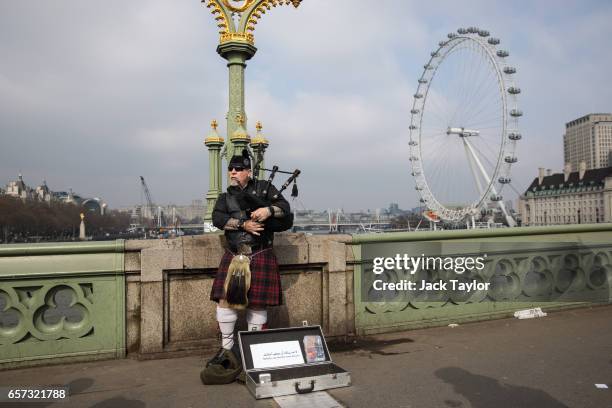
(151, 206)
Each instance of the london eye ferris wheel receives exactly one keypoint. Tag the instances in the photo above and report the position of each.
(464, 127)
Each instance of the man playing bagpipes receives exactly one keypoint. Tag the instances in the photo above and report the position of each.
(248, 278)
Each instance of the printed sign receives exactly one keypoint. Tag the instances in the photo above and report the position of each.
(282, 353)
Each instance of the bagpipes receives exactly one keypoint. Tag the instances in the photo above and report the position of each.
(238, 279)
(263, 197)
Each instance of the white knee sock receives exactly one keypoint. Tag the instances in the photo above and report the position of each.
(227, 320)
(256, 319)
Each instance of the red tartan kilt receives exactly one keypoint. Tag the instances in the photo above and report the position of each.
(265, 287)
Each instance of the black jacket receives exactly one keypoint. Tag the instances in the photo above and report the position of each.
(239, 203)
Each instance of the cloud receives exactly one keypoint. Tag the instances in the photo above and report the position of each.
(93, 95)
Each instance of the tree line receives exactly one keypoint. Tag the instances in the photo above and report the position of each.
(33, 221)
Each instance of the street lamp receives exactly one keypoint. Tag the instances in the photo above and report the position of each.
(236, 20)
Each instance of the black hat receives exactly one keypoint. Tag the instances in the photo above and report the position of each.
(243, 161)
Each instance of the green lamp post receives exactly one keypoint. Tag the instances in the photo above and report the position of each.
(237, 45)
(236, 20)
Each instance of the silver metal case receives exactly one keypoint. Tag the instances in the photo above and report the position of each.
(292, 379)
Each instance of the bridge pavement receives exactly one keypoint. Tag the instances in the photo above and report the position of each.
(553, 362)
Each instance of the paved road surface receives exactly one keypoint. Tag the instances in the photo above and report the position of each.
(553, 362)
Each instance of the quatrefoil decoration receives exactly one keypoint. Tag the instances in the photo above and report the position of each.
(504, 279)
(600, 275)
(63, 314)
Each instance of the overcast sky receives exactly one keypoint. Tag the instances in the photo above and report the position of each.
(95, 94)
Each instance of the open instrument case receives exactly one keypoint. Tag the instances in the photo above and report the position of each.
(315, 372)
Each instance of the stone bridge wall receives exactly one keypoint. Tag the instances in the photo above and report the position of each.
(168, 286)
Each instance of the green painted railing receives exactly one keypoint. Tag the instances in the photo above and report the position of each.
(480, 233)
(61, 302)
(549, 267)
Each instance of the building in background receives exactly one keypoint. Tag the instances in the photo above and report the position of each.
(95, 205)
(172, 214)
(589, 139)
(43, 193)
(191, 212)
(579, 197)
(19, 189)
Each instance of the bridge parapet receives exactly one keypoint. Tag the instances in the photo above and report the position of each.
(150, 298)
(549, 267)
(61, 301)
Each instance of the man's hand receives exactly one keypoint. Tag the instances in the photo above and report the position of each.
(261, 214)
(252, 227)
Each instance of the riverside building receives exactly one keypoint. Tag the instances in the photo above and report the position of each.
(589, 139)
(579, 197)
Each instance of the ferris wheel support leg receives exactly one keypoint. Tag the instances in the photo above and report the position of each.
(472, 166)
(511, 222)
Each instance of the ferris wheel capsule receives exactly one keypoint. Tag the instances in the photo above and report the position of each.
(493, 41)
(510, 159)
(509, 70)
(514, 90)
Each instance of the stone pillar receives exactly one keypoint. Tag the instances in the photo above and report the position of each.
(82, 228)
(236, 53)
(214, 143)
